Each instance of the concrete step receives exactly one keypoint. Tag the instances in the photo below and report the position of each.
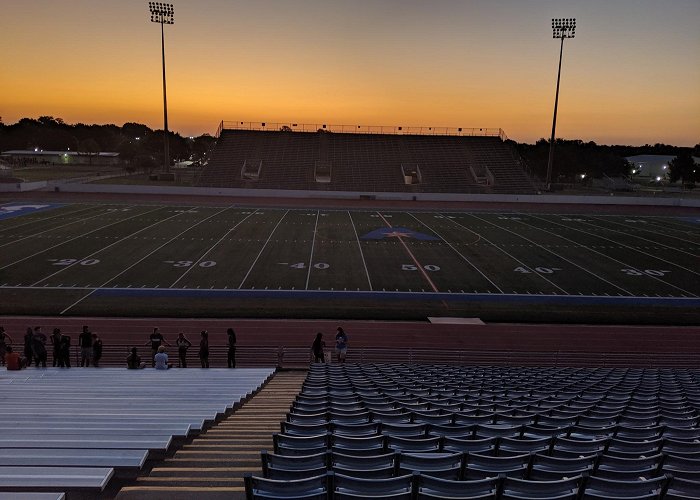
(212, 465)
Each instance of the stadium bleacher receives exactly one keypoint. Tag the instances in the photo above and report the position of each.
(363, 162)
(72, 432)
(438, 431)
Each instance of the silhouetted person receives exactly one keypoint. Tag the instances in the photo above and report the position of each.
(85, 343)
(55, 339)
(133, 360)
(182, 344)
(28, 341)
(155, 340)
(341, 344)
(5, 341)
(39, 347)
(231, 348)
(204, 349)
(64, 352)
(317, 348)
(96, 350)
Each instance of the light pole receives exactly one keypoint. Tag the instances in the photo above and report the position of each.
(163, 13)
(561, 28)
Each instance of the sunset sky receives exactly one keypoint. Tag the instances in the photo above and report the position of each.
(631, 75)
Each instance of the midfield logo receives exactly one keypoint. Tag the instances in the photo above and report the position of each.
(397, 232)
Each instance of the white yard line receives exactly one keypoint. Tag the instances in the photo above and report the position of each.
(311, 257)
(557, 255)
(522, 264)
(457, 251)
(607, 257)
(78, 237)
(34, 221)
(636, 250)
(362, 255)
(194, 264)
(77, 261)
(262, 250)
(51, 229)
(644, 228)
(141, 259)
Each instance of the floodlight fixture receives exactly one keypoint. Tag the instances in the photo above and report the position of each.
(163, 13)
(561, 28)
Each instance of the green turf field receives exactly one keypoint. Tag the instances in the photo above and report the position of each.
(100, 259)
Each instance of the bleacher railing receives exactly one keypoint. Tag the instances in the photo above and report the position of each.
(299, 357)
(361, 129)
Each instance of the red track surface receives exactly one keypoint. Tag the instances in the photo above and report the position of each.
(300, 333)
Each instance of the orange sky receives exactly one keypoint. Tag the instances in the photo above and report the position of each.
(631, 75)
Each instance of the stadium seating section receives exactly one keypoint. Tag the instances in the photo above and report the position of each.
(72, 432)
(364, 162)
(429, 431)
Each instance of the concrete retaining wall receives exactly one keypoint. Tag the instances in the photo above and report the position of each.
(354, 195)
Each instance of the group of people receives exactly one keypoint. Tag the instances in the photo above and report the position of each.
(319, 345)
(35, 349)
(36, 342)
(159, 355)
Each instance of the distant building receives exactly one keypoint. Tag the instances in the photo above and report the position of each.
(652, 166)
(39, 157)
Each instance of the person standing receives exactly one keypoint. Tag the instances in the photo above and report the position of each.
(55, 339)
(182, 344)
(5, 341)
(341, 344)
(317, 348)
(64, 352)
(204, 349)
(155, 340)
(39, 347)
(28, 341)
(231, 348)
(96, 350)
(85, 343)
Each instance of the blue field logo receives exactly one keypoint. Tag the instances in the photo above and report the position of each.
(16, 210)
(397, 232)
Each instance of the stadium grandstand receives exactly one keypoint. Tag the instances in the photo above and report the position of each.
(374, 159)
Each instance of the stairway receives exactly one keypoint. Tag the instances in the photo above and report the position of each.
(211, 467)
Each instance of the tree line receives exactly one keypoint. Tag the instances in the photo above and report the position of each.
(136, 143)
(575, 157)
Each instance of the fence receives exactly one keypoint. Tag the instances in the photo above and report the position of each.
(360, 129)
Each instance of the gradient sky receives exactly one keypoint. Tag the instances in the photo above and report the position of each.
(631, 75)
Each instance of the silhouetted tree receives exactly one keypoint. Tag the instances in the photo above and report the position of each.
(683, 168)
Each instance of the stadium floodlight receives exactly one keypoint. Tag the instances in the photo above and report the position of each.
(163, 13)
(561, 28)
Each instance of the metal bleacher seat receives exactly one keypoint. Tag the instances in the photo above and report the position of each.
(73, 431)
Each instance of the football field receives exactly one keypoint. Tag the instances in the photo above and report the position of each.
(201, 261)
